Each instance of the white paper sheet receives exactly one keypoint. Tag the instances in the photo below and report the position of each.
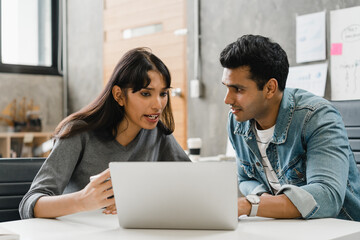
(310, 37)
(8, 235)
(309, 77)
(345, 53)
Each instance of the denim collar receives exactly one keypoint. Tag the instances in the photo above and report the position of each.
(286, 111)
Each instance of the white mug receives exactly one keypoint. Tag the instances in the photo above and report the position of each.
(194, 146)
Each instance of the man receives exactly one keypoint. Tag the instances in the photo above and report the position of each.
(293, 155)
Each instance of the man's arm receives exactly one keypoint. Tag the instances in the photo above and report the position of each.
(326, 174)
(278, 206)
(247, 185)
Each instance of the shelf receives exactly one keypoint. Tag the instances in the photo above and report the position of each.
(15, 141)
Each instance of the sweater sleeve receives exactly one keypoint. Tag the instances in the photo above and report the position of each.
(54, 174)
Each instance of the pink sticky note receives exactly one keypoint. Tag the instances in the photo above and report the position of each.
(336, 49)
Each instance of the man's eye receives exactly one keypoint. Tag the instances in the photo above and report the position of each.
(239, 90)
(235, 89)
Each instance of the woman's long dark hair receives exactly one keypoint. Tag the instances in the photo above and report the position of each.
(104, 114)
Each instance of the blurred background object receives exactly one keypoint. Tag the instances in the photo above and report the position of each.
(22, 117)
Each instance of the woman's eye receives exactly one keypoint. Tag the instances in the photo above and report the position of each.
(145, 94)
(164, 94)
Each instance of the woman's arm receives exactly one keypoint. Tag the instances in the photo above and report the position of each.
(94, 196)
(64, 163)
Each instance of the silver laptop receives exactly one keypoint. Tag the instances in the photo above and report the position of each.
(175, 195)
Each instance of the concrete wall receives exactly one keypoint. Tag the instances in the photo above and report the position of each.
(222, 22)
(85, 52)
(85, 64)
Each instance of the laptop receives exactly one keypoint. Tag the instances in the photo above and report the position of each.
(175, 195)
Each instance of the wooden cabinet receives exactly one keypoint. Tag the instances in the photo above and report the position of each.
(25, 144)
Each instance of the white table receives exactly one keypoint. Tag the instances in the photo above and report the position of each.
(95, 225)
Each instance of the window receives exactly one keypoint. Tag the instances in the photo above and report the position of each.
(29, 36)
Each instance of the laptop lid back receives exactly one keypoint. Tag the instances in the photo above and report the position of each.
(175, 195)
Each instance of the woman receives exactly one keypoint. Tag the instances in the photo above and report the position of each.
(131, 120)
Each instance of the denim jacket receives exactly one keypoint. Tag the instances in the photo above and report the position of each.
(309, 153)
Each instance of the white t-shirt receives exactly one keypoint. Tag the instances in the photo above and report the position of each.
(263, 138)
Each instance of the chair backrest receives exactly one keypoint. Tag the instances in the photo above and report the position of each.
(350, 112)
(16, 175)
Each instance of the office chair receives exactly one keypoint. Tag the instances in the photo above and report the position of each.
(350, 112)
(16, 175)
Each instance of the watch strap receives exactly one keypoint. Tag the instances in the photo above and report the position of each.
(254, 209)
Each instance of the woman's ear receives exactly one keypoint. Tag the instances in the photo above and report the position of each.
(117, 94)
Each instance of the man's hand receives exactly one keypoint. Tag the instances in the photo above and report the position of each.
(244, 207)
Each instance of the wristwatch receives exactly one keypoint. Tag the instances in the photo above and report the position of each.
(255, 201)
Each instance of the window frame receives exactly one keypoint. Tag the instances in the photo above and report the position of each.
(44, 70)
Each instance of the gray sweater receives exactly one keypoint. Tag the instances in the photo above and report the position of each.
(73, 160)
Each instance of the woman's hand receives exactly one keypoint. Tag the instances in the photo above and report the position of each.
(97, 193)
(110, 210)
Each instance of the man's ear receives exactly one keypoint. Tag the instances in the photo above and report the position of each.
(117, 94)
(271, 88)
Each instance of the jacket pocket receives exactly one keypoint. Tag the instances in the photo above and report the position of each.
(248, 168)
(295, 172)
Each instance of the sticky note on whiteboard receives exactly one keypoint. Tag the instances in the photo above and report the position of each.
(336, 49)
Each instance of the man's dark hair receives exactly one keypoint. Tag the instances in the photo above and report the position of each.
(265, 58)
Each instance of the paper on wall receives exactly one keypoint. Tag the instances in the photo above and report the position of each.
(309, 77)
(345, 53)
(310, 37)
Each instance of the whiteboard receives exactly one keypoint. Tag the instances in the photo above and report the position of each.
(345, 53)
